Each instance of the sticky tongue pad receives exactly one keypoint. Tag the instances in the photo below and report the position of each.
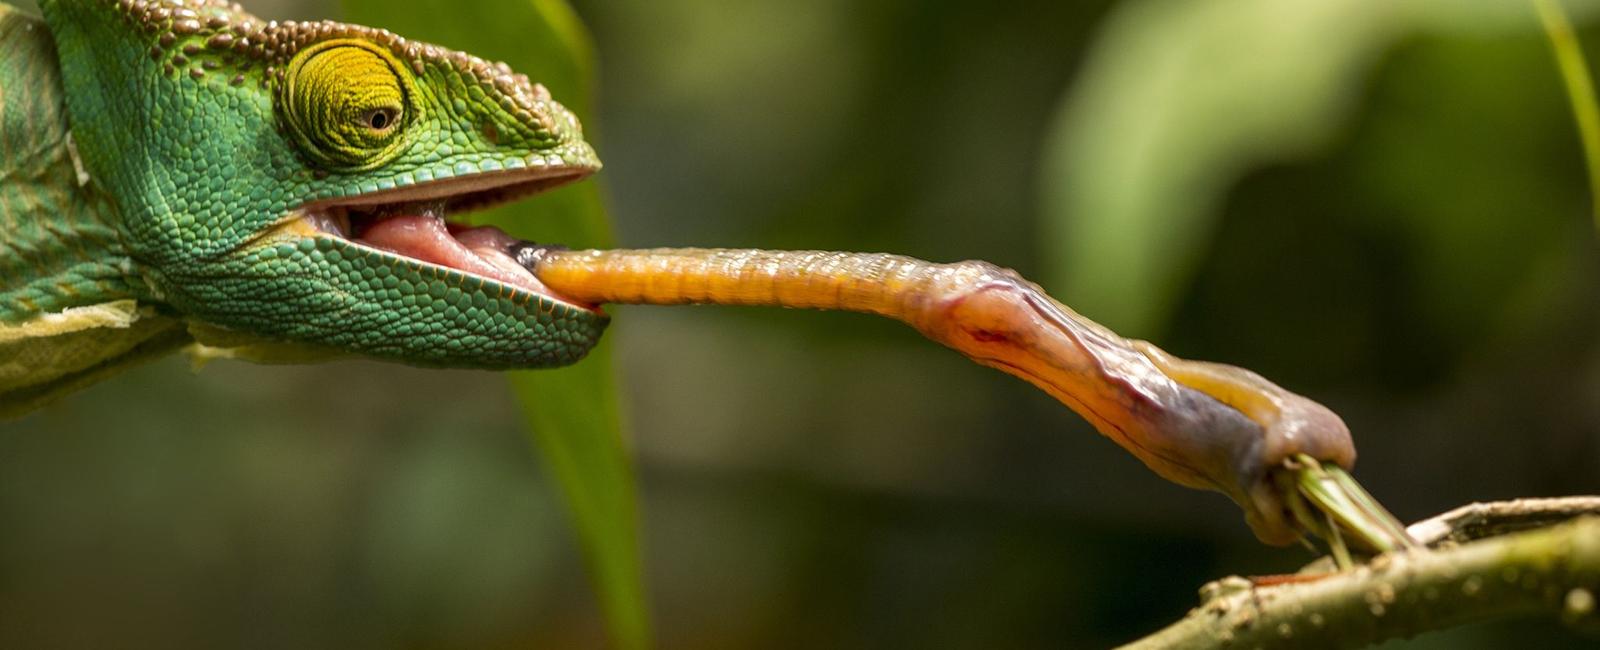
(480, 251)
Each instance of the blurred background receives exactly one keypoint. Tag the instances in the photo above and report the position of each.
(1382, 207)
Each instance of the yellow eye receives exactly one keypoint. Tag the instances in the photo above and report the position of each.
(346, 103)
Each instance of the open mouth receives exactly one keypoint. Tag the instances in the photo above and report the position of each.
(415, 223)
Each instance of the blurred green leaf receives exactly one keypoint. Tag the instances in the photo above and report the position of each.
(1580, 88)
(573, 413)
(1177, 101)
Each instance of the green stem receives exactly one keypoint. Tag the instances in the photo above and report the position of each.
(1580, 90)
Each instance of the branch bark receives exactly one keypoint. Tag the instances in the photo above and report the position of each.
(1480, 520)
(1522, 566)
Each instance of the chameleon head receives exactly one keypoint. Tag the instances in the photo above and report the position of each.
(296, 181)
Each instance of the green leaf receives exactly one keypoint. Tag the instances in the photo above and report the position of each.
(1580, 89)
(1177, 101)
(573, 413)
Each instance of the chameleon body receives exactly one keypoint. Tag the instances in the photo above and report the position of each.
(180, 174)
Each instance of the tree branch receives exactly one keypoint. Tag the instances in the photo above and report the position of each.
(1480, 520)
(1524, 566)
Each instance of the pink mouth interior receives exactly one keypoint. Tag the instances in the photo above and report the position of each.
(482, 251)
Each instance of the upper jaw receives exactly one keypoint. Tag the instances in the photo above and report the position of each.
(468, 192)
(411, 223)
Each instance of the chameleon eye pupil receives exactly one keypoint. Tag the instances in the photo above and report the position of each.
(379, 120)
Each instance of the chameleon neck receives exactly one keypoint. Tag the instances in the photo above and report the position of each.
(60, 249)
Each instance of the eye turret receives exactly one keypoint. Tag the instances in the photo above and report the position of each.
(346, 103)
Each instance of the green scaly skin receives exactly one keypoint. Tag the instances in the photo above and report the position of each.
(201, 135)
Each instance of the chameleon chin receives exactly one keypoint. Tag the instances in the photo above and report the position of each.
(185, 175)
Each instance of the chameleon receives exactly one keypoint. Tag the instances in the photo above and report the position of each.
(181, 175)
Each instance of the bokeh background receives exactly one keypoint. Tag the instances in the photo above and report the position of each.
(1381, 205)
